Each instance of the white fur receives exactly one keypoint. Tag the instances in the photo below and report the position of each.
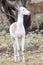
(19, 35)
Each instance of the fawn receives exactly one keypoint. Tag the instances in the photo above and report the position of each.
(17, 32)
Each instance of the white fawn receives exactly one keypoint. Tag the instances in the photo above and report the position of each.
(17, 32)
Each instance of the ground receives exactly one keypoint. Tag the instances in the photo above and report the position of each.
(33, 50)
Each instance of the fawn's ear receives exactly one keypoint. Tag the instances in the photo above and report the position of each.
(17, 4)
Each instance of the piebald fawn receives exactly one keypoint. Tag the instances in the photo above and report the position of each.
(17, 32)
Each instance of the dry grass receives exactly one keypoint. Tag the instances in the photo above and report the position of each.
(33, 56)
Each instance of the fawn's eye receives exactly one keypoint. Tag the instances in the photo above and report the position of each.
(23, 9)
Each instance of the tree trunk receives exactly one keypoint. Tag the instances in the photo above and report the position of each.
(8, 7)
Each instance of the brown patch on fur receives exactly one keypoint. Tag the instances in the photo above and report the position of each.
(14, 27)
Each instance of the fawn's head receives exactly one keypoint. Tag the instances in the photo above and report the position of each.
(22, 10)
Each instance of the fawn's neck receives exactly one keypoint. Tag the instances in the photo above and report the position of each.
(20, 20)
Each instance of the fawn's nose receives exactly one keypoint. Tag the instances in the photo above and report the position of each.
(29, 12)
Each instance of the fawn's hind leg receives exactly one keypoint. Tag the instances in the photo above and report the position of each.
(14, 48)
(17, 48)
(22, 48)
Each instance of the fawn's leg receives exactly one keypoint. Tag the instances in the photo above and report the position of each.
(18, 49)
(22, 48)
(14, 47)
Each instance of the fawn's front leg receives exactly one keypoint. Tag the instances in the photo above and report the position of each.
(22, 48)
(18, 49)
